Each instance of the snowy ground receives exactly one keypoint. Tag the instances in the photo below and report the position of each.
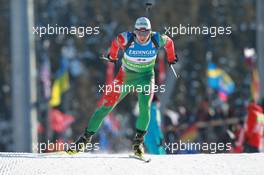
(120, 164)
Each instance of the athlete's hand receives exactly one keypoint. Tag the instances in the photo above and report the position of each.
(174, 61)
(110, 58)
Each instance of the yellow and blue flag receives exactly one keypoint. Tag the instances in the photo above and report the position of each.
(214, 74)
(60, 85)
(219, 80)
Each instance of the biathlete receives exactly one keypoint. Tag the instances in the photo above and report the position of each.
(140, 49)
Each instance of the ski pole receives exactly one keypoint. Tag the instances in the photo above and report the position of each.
(174, 72)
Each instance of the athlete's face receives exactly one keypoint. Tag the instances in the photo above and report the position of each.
(142, 35)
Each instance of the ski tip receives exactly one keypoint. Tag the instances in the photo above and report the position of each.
(141, 158)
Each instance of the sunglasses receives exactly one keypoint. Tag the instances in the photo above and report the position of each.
(140, 32)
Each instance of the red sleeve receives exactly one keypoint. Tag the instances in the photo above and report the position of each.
(169, 48)
(117, 43)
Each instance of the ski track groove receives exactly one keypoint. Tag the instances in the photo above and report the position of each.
(121, 164)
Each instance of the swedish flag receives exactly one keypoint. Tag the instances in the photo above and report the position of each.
(219, 80)
(214, 74)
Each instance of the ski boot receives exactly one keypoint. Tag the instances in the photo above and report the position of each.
(138, 141)
(80, 143)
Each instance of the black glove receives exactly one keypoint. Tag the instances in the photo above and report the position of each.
(174, 61)
(109, 58)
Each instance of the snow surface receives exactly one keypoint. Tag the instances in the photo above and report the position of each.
(120, 164)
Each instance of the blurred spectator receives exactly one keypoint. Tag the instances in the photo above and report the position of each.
(254, 128)
(60, 123)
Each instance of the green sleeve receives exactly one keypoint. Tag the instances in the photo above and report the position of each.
(162, 40)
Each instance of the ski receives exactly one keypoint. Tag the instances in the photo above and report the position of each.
(59, 153)
(51, 154)
(141, 158)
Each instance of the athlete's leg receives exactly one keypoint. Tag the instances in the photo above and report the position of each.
(144, 100)
(110, 100)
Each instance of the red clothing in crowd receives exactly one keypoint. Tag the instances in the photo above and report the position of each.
(254, 125)
(60, 121)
